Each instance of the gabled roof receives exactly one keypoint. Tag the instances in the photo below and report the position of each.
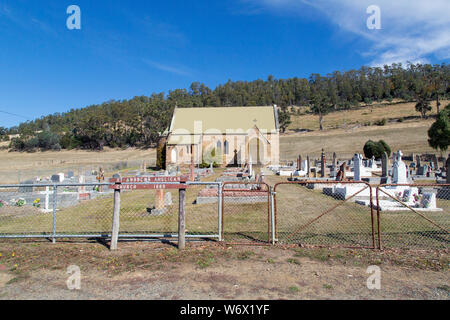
(223, 120)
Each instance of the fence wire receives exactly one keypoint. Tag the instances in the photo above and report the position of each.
(324, 214)
(307, 213)
(414, 216)
(246, 213)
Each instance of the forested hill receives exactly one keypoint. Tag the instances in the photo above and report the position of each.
(139, 121)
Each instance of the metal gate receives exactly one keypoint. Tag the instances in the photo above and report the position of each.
(324, 213)
(246, 213)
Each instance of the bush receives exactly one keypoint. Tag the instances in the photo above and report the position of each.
(439, 133)
(381, 122)
(376, 149)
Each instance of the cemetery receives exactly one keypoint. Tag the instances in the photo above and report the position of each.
(88, 209)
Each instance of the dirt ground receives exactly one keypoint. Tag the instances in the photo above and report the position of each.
(153, 270)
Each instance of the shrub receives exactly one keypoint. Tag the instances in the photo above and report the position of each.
(376, 149)
(439, 133)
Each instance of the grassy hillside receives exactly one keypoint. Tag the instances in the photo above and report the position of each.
(350, 136)
(364, 115)
(347, 131)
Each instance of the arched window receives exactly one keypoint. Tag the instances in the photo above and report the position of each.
(173, 157)
(219, 146)
(225, 147)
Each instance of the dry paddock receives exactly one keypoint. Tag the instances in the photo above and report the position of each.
(153, 270)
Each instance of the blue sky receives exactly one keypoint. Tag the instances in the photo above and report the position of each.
(130, 48)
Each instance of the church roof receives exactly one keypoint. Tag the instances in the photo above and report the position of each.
(221, 120)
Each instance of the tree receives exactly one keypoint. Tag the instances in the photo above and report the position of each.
(376, 149)
(439, 133)
(423, 106)
(320, 102)
(284, 119)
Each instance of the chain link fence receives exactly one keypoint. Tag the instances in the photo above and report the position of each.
(306, 213)
(413, 216)
(86, 210)
(322, 213)
(246, 213)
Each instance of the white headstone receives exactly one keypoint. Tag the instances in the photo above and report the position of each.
(357, 167)
(428, 201)
(81, 180)
(399, 169)
(168, 199)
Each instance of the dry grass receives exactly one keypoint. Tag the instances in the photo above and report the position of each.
(360, 115)
(23, 165)
(349, 138)
(407, 136)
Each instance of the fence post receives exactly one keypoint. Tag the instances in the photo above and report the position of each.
(116, 218)
(181, 219)
(219, 206)
(272, 213)
(55, 194)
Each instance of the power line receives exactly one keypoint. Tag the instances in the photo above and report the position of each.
(14, 114)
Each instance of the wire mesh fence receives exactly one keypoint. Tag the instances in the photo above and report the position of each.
(414, 216)
(246, 213)
(307, 213)
(315, 213)
(20, 211)
(86, 210)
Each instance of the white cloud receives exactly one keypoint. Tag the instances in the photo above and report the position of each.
(412, 30)
(180, 70)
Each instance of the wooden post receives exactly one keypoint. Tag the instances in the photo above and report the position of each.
(116, 219)
(181, 220)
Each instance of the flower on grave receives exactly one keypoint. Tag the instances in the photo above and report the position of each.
(416, 197)
(37, 203)
(2, 203)
(21, 202)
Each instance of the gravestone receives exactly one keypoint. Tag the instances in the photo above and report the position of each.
(407, 194)
(448, 169)
(399, 169)
(81, 180)
(357, 161)
(70, 174)
(26, 189)
(168, 199)
(428, 201)
(56, 178)
(308, 168)
(384, 165)
(333, 172)
(299, 163)
(341, 174)
(434, 159)
(423, 170)
(322, 164)
(334, 160)
(418, 161)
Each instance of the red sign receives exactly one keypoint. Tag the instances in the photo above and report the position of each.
(158, 183)
(159, 186)
(149, 179)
